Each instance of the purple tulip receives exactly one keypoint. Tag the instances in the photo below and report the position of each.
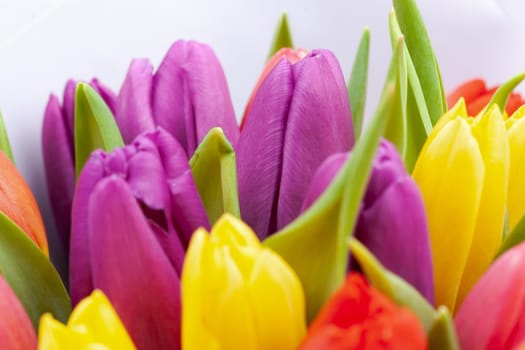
(300, 115)
(134, 212)
(392, 221)
(59, 153)
(187, 96)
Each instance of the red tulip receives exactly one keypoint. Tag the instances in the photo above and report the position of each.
(359, 317)
(477, 96)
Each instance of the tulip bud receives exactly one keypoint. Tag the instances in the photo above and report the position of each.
(358, 316)
(190, 95)
(133, 214)
(299, 116)
(228, 273)
(392, 220)
(59, 153)
(492, 315)
(477, 96)
(462, 172)
(93, 324)
(16, 330)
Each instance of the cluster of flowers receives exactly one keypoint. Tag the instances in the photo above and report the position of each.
(404, 236)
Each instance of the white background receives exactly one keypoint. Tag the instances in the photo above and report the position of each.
(45, 42)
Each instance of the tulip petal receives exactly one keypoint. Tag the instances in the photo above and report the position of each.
(450, 175)
(191, 95)
(469, 90)
(57, 149)
(490, 133)
(126, 256)
(319, 124)
(106, 93)
(80, 279)
(134, 113)
(491, 317)
(260, 147)
(16, 330)
(516, 190)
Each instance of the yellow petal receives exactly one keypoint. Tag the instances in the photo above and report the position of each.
(489, 130)
(450, 173)
(278, 303)
(93, 324)
(516, 195)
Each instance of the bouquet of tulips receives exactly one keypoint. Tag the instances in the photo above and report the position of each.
(298, 229)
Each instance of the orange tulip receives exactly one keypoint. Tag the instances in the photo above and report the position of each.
(477, 96)
(19, 205)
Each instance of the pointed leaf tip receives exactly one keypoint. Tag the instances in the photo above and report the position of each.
(95, 125)
(501, 96)
(5, 145)
(282, 37)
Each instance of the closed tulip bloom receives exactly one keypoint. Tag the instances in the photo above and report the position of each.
(237, 294)
(462, 172)
(16, 330)
(477, 96)
(358, 316)
(19, 205)
(516, 134)
(299, 116)
(93, 324)
(493, 314)
(133, 214)
(58, 148)
(392, 220)
(187, 96)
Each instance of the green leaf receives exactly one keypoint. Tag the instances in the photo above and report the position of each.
(95, 126)
(358, 82)
(321, 232)
(392, 285)
(396, 129)
(5, 145)
(215, 172)
(418, 42)
(31, 275)
(442, 335)
(282, 37)
(501, 96)
(515, 237)
(416, 118)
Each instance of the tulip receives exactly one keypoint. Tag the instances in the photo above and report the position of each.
(93, 324)
(299, 116)
(392, 220)
(358, 316)
(59, 153)
(187, 96)
(477, 96)
(16, 330)
(134, 211)
(291, 55)
(516, 134)
(19, 205)
(462, 172)
(237, 294)
(493, 313)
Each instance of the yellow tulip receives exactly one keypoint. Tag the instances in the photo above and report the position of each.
(462, 172)
(516, 133)
(237, 294)
(93, 324)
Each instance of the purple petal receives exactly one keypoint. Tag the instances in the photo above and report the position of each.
(130, 266)
(191, 95)
(260, 147)
(60, 167)
(106, 93)
(394, 228)
(134, 114)
(319, 124)
(80, 279)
